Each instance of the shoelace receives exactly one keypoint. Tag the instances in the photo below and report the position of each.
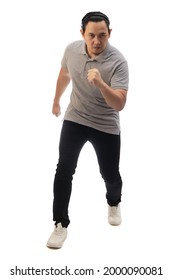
(114, 209)
(59, 230)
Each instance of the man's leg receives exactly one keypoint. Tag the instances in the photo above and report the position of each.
(71, 142)
(107, 147)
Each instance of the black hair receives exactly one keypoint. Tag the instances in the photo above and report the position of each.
(95, 17)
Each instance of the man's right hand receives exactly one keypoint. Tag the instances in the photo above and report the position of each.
(56, 110)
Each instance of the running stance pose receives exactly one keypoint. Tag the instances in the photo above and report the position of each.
(99, 75)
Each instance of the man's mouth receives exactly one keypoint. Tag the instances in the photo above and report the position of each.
(97, 48)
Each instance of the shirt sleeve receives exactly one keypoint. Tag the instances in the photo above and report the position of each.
(64, 63)
(120, 78)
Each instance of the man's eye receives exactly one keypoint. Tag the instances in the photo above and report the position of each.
(102, 35)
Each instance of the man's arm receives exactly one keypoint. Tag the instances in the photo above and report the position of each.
(62, 83)
(115, 98)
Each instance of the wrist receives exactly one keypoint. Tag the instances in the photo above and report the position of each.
(56, 101)
(102, 85)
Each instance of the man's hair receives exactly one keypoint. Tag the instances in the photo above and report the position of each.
(94, 17)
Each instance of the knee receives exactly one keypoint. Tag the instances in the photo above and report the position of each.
(64, 169)
(111, 176)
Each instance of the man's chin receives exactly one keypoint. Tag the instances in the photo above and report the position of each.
(97, 51)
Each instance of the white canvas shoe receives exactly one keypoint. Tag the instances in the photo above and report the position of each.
(114, 215)
(57, 237)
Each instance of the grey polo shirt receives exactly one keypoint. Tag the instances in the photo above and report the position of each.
(87, 105)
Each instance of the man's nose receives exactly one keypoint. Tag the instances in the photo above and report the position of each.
(96, 40)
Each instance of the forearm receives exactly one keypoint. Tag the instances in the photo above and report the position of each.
(61, 85)
(115, 98)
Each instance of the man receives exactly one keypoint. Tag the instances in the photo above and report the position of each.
(99, 75)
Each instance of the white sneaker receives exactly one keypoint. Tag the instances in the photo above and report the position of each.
(57, 237)
(114, 215)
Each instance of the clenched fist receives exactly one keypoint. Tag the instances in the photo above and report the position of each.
(56, 110)
(94, 77)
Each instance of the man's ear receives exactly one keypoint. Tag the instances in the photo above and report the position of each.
(82, 32)
(110, 30)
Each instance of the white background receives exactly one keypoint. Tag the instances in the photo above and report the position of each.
(33, 37)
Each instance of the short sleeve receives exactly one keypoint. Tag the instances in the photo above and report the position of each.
(120, 78)
(64, 59)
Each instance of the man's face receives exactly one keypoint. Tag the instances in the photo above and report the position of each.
(96, 36)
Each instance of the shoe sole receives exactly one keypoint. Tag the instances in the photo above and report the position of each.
(115, 225)
(53, 247)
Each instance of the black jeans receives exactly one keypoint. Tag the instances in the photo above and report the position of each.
(107, 148)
